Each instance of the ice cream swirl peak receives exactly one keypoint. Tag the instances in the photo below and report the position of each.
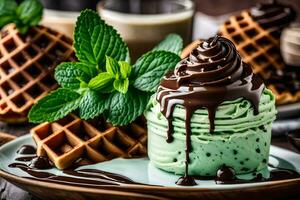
(213, 62)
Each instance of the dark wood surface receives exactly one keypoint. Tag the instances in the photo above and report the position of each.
(11, 192)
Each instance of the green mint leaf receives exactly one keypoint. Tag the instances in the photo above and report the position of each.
(93, 39)
(91, 105)
(112, 66)
(125, 69)
(54, 106)
(172, 43)
(125, 108)
(7, 12)
(72, 74)
(121, 85)
(151, 67)
(29, 13)
(103, 83)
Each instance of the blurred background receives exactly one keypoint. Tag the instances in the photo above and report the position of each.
(206, 6)
(209, 14)
(221, 7)
(143, 23)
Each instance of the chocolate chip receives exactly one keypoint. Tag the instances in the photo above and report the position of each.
(257, 150)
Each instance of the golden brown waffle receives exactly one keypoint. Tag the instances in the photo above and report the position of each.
(26, 67)
(260, 48)
(71, 139)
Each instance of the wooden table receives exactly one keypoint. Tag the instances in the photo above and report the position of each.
(11, 192)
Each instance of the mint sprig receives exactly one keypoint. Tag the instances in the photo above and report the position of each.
(70, 74)
(91, 105)
(94, 39)
(55, 106)
(104, 82)
(150, 66)
(172, 43)
(24, 15)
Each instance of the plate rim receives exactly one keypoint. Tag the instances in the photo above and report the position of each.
(17, 179)
(285, 109)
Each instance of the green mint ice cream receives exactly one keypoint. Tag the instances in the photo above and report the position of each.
(211, 114)
(241, 139)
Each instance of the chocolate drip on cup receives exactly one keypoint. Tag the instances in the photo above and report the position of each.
(273, 14)
(212, 74)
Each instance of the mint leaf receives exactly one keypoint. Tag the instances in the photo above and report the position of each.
(91, 105)
(125, 69)
(112, 66)
(29, 13)
(151, 67)
(121, 85)
(103, 83)
(54, 106)
(7, 12)
(125, 108)
(93, 39)
(172, 43)
(71, 74)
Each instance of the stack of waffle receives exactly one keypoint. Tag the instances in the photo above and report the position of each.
(256, 34)
(26, 68)
(72, 140)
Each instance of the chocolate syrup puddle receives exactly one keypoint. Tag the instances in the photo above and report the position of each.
(96, 178)
(226, 175)
(26, 150)
(212, 74)
(33, 165)
(25, 159)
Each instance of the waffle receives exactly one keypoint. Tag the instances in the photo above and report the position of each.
(71, 139)
(260, 48)
(26, 66)
(4, 138)
(280, 81)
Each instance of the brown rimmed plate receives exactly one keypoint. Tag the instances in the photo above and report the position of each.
(162, 183)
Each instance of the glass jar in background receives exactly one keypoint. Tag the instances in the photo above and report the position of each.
(61, 15)
(143, 23)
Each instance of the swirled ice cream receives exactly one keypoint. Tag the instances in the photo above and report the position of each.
(209, 112)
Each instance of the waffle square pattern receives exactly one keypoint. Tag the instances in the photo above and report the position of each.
(260, 48)
(72, 140)
(27, 63)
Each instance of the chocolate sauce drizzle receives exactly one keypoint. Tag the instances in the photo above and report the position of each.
(213, 73)
(33, 166)
(226, 175)
(273, 14)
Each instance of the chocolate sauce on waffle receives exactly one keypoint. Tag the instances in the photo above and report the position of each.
(212, 74)
(97, 178)
(273, 14)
